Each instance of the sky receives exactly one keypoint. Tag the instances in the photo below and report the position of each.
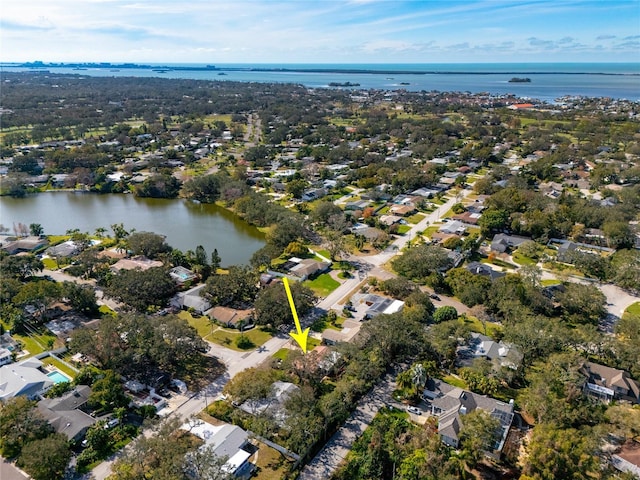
(320, 31)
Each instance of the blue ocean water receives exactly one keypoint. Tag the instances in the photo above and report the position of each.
(548, 81)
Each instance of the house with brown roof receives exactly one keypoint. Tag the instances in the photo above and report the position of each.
(308, 267)
(606, 383)
(231, 317)
(140, 262)
(402, 210)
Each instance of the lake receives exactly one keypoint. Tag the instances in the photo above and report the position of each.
(185, 224)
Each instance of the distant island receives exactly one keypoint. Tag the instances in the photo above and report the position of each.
(520, 80)
(344, 84)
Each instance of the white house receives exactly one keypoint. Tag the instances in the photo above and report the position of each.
(225, 441)
(23, 378)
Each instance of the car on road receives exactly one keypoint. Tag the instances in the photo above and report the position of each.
(414, 410)
(434, 296)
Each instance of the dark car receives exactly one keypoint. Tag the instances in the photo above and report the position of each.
(434, 296)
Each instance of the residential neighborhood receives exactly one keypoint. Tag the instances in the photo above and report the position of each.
(466, 278)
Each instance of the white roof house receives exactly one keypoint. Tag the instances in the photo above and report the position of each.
(23, 378)
(225, 441)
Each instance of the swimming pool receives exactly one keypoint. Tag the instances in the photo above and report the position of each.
(58, 377)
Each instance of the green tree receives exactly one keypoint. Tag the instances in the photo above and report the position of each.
(555, 452)
(107, 393)
(272, 306)
(36, 229)
(20, 423)
(582, 303)
(444, 314)
(239, 286)
(148, 244)
(478, 434)
(46, 458)
(493, 221)
(419, 262)
(141, 289)
(215, 261)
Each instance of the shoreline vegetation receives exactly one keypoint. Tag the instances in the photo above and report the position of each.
(346, 70)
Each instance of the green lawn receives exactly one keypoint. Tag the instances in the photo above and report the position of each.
(550, 281)
(430, 230)
(201, 324)
(417, 218)
(633, 309)
(271, 465)
(35, 344)
(322, 285)
(322, 324)
(455, 381)
(523, 260)
(499, 263)
(402, 229)
(281, 354)
(106, 310)
(476, 325)
(50, 263)
(227, 337)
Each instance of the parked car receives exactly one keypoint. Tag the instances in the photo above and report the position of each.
(434, 296)
(112, 423)
(414, 410)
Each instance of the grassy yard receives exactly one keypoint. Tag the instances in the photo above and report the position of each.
(633, 309)
(322, 285)
(476, 325)
(430, 230)
(455, 381)
(417, 218)
(227, 337)
(271, 465)
(550, 281)
(50, 263)
(402, 229)
(498, 263)
(523, 260)
(35, 344)
(322, 324)
(281, 354)
(201, 324)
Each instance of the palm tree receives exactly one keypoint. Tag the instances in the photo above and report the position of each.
(418, 376)
(404, 380)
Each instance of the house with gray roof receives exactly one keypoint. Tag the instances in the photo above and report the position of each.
(503, 242)
(192, 299)
(23, 378)
(64, 414)
(450, 404)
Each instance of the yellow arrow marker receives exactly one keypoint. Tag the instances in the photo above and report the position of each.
(300, 337)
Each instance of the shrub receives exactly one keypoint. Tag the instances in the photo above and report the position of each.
(244, 342)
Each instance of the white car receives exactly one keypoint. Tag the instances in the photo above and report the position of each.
(414, 410)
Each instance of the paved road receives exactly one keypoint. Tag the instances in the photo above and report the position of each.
(334, 452)
(9, 471)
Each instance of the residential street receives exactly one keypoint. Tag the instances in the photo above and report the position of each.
(337, 448)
